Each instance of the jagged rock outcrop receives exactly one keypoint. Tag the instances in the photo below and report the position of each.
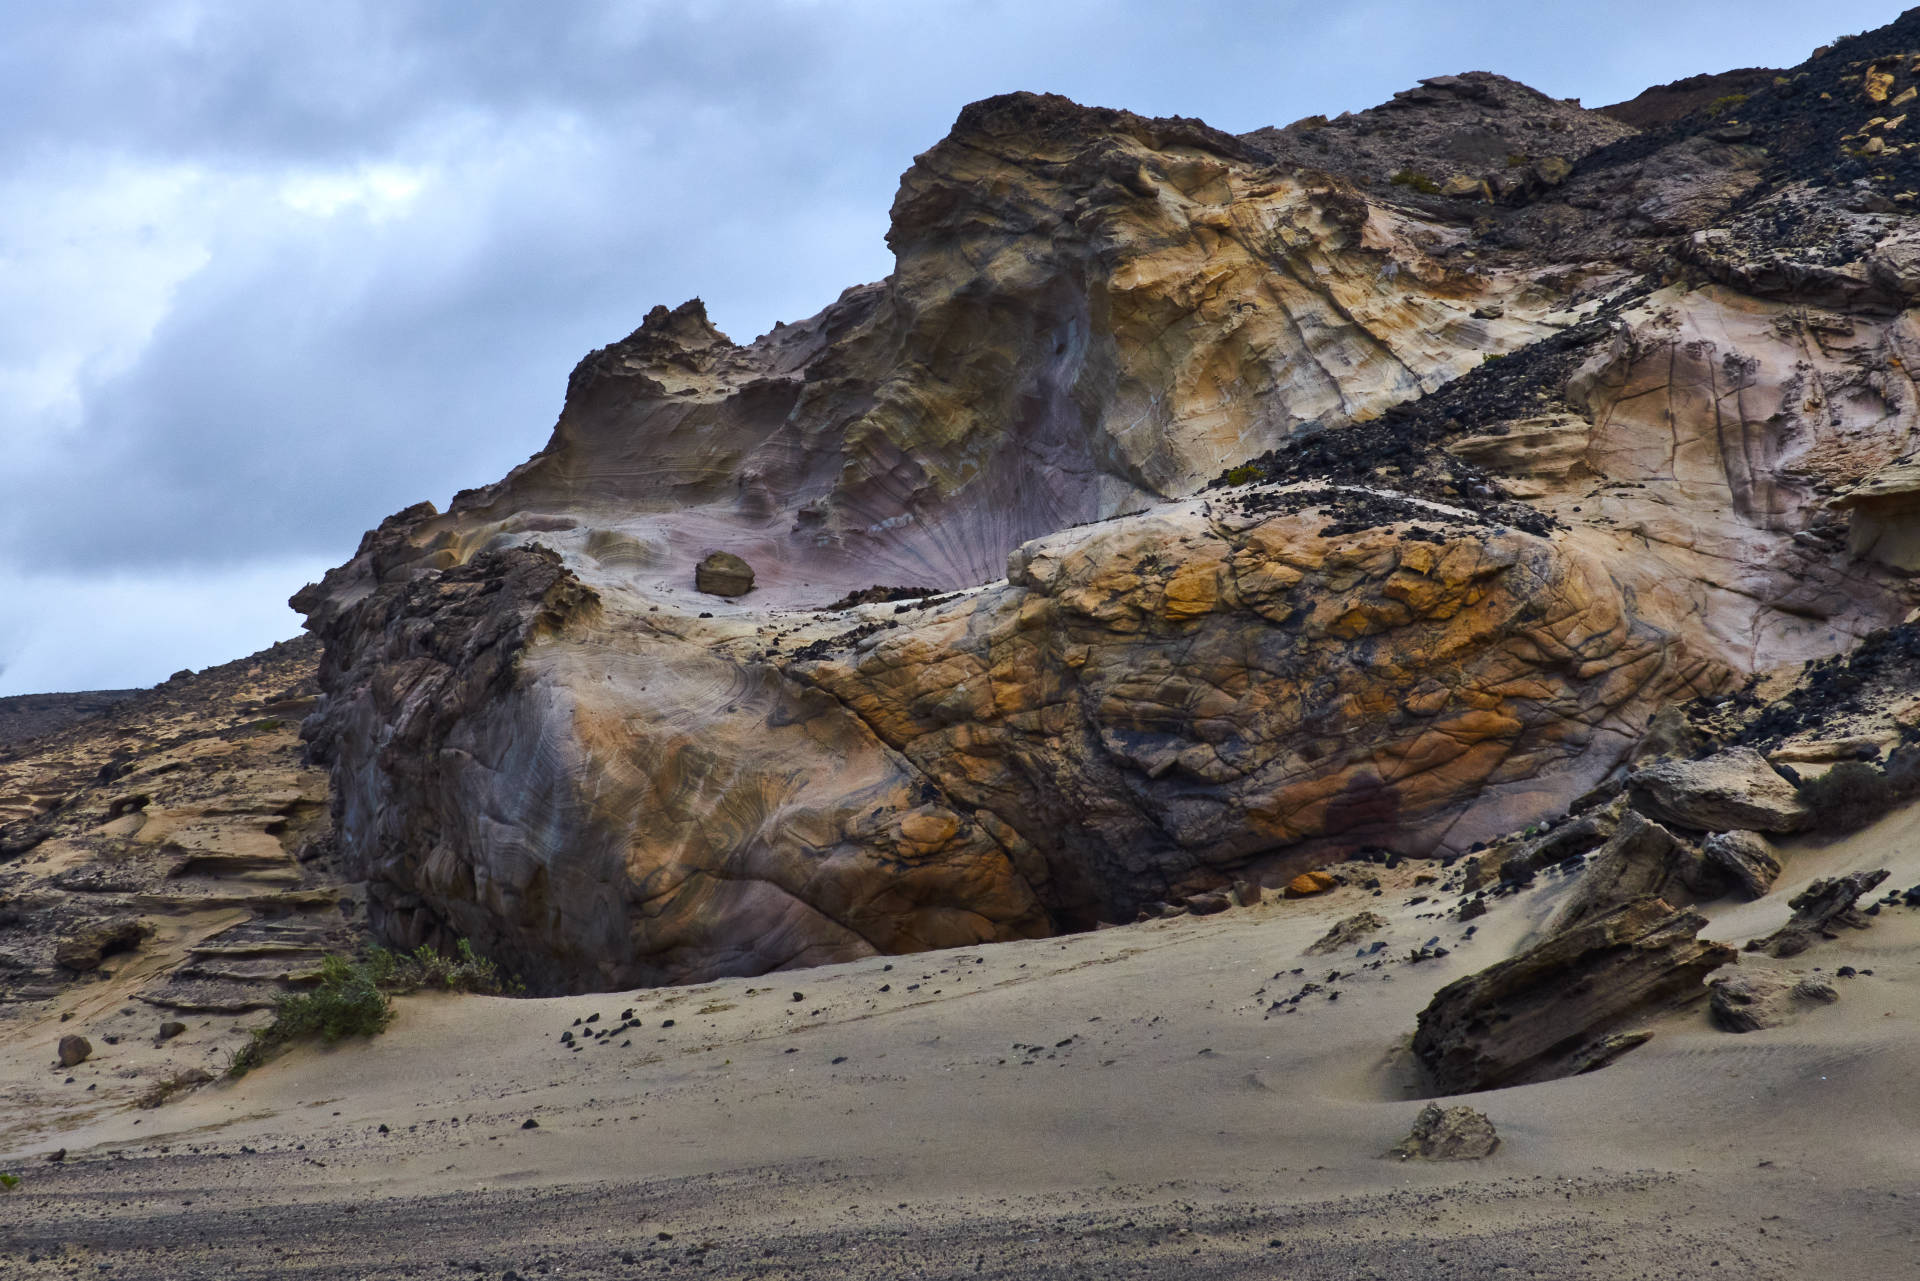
(1824, 906)
(1562, 1006)
(1640, 860)
(1334, 512)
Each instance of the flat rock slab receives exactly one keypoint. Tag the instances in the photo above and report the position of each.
(1728, 791)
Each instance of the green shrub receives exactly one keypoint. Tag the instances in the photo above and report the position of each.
(1720, 106)
(347, 1002)
(1515, 160)
(1850, 795)
(1245, 474)
(352, 997)
(1418, 181)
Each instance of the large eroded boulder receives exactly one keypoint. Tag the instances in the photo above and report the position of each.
(599, 795)
(1735, 789)
(1564, 1005)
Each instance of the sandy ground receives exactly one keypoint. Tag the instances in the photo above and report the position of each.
(1123, 1103)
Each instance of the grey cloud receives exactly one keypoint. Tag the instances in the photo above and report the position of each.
(585, 161)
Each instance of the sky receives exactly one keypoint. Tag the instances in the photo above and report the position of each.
(270, 272)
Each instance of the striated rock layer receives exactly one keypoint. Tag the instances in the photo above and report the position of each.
(1261, 504)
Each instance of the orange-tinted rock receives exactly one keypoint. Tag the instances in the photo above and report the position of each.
(1309, 883)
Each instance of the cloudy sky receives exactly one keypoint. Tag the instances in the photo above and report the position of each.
(269, 272)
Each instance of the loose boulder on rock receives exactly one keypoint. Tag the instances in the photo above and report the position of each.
(723, 574)
(1641, 859)
(1448, 1134)
(1558, 1008)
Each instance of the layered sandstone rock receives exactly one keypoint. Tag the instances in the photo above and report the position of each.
(1503, 472)
(1567, 1004)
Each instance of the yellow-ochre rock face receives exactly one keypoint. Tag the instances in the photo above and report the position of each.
(1527, 483)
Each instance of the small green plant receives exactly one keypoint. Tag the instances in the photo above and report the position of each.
(1492, 356)
(352, 998)
(1416, 180)
(1720, 106)
(1245, 474)
(9, 1181)
(347, 1002)
(1515, 160)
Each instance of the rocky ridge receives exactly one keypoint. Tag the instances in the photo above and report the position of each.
(168, 865)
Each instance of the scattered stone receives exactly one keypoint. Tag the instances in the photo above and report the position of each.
(74, 1050)
(723, 574)
(1348, 932)
(1745, 1000)
(1247, 893)
(1551, 1010)
(1817, 911)
(529, 1124)
(1448, 1134)
(169, 1030)
(1207, 904)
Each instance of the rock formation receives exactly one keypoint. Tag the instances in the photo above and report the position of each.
(167, 856)
(1365, 484)
(1562, 1006)
(1825, 905)
(1448, 1134)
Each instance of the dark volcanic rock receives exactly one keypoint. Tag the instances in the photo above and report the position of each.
(24, 717)
(1664, 104)
(1556, 1008)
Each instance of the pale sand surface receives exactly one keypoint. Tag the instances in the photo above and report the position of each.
(1183, 1131)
